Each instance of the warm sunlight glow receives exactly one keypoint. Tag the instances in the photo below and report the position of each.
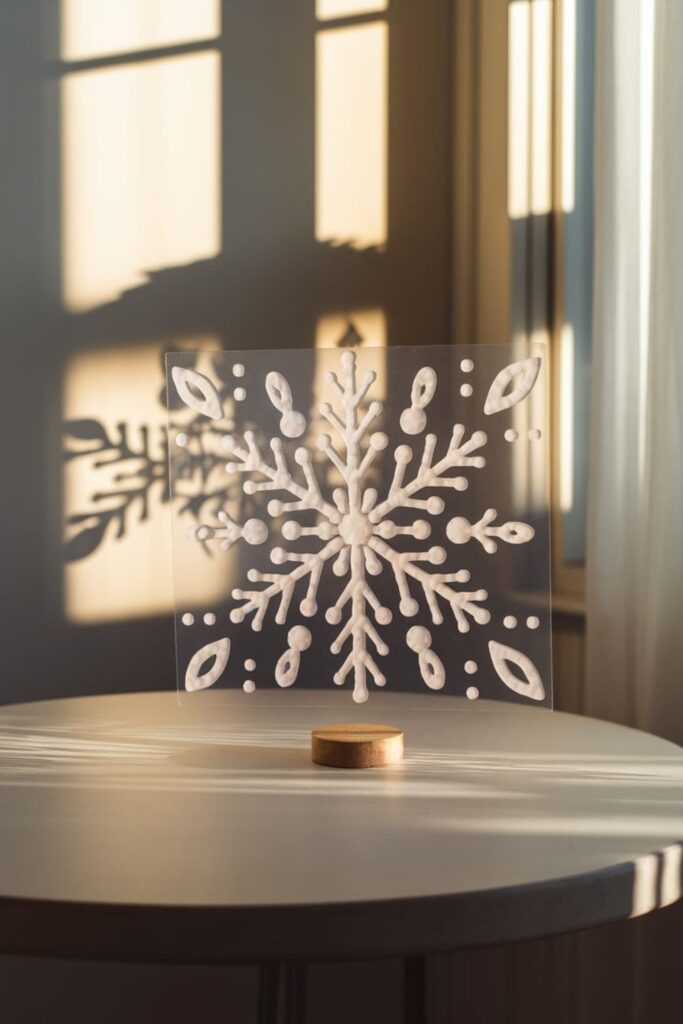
(98, 28)
(325, 9)
(541, 105)
(568, 103)
(567, 418)
(645, 114)
(126, 576)
(529, 107)
(645, 874)
(670, 882)
(519, 20)
(351, 135)
(141, 173)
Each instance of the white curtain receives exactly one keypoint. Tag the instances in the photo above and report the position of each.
(635, 523)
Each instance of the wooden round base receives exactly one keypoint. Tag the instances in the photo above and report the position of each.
(356, 746)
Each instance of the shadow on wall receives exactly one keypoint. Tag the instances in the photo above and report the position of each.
(223, 175)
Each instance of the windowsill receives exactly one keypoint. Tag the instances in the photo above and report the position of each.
(568, 604)
(560, 603)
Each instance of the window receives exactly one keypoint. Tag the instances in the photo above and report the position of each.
(550, 154)
(575, 265)
(523, 227)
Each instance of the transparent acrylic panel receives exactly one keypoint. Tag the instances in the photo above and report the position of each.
(366, 521)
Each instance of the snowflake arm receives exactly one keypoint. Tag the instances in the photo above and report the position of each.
(359, 628)
(349, 429)
(462, 603)
(461, 530)
(282, 585)
(430, 475)
(254, 531)
(278, 477)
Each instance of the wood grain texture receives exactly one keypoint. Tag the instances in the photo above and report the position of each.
(356, 745)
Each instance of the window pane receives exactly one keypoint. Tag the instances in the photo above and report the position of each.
(576, 353)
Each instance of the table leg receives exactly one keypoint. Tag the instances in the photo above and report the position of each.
(295, 994)
(269, 986)
(415, 990)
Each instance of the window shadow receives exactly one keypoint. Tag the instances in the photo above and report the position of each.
(270, 285)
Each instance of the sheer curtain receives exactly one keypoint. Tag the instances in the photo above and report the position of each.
(635, 528)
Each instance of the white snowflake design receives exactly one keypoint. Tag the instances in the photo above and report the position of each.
(355, 529)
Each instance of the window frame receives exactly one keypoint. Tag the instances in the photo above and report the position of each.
(569, 578)
(487, 280)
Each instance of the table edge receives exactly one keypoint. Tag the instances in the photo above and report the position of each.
(420, 925)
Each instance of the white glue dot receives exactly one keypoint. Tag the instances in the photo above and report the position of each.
(255, 531)
(238, 370)
(472, 693)
(250, 664)
(511, 435)
(239, 394)
(181, 440)
(465, 390)
(509, 622)
(187, 619)
(533, 622)
(419, 639)
(248, 685)
(466, 365)
(209, 619)
(299, 638)
(470, 667)
(535, 434)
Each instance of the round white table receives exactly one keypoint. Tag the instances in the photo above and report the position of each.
(134, 828)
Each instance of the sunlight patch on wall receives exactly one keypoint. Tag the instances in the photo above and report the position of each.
(325, 9)
(352, 135)
(541, 106)
(568, 104)
(530, 90)
(118, 532)
(97, 28)
(518, 109)
(140, 175)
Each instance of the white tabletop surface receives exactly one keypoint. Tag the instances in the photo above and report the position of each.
(132, 827)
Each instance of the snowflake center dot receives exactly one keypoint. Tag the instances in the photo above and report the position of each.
(355, 528)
